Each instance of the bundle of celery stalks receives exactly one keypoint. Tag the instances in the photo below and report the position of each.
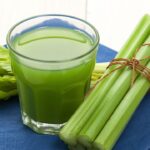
(101, 118)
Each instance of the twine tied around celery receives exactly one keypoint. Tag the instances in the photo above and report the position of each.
(132, 63)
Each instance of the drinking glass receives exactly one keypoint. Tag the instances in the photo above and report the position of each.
(52, 57)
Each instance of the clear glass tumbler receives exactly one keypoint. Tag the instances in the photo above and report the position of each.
(52, 58)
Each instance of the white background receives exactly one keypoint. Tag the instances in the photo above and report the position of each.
(114, 19)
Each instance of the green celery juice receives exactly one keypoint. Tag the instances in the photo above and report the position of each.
(50, 92)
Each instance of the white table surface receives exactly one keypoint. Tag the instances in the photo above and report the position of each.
(114, 19)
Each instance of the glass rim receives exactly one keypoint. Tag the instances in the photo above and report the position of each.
(9, 43)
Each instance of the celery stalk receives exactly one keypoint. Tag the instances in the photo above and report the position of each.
(116, 93)
(7, 80)
(85, 111)
(5, 67)
(119, 119)
(5, 95)
(98, 72)
(100, 67)
(7, 83)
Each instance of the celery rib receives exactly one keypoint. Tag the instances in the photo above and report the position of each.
(121, 116)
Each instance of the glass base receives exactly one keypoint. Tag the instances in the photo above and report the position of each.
(42, 128)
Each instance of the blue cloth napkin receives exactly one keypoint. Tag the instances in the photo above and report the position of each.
(15, 136)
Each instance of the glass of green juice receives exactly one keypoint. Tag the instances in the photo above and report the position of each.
(52, 57)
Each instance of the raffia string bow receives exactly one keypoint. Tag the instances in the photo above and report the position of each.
(132, 63)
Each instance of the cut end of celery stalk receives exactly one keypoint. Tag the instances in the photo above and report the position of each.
(98, 146)
(69, 139)
(85, 141)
